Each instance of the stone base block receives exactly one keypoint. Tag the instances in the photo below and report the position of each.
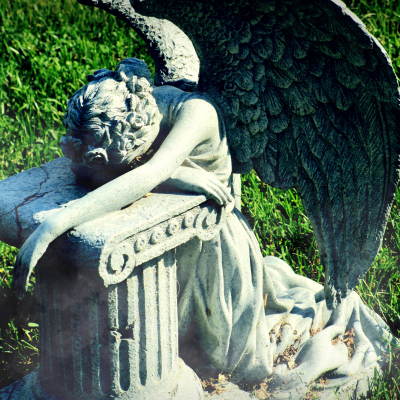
(187, 386)
(333, 389)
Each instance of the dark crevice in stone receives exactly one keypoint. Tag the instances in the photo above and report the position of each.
(143, 361)
(159, 321)
(8, 212)
(126, 333)
(103, 335)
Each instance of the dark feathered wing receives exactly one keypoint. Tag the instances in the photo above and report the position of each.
(310, 101)
(336, 138)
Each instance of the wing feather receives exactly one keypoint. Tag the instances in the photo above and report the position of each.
(175, 58)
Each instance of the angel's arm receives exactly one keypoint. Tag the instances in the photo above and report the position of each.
(196, 122)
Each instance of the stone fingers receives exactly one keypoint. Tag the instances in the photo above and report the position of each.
(219, 193)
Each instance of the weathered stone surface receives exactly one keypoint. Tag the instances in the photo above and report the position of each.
(116, 342)
(30, 197)
(176, 218)
(15, 192)
(131, 327)
(228, 391)
(296, 390)
(186, 387)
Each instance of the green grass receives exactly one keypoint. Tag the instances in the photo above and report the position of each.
(46, 51)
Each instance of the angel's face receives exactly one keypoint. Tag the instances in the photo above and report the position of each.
(106, 148)
(99, 163)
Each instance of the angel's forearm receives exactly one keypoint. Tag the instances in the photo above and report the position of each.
(182, 178)
(111, 197)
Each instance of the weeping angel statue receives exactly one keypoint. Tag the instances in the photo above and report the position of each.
(297, 90)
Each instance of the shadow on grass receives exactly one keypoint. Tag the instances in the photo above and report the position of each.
(16, 320)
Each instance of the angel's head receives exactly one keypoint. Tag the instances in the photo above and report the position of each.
(112, 120)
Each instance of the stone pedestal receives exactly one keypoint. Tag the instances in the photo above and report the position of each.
(107, 291)
(114, 342)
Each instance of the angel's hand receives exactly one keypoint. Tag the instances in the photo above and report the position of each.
(202, 182)
(28, 256)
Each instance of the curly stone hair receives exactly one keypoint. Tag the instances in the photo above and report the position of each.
(113, 118)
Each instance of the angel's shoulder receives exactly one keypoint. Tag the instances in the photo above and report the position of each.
(173, 100)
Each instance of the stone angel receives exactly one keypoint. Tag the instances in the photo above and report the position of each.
(300, 92)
